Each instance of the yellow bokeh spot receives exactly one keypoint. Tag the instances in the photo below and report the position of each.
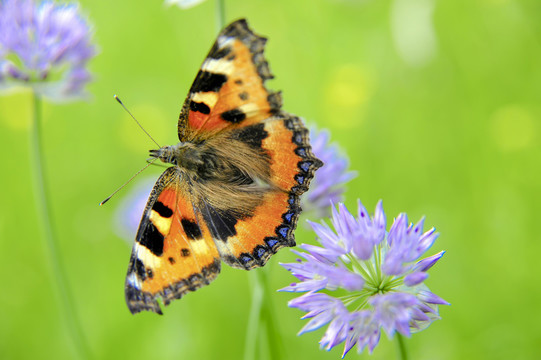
(161, 127)
(513, 128)
(349, 88)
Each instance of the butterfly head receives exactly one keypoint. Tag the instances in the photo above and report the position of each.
(184, 154)
(167, 154)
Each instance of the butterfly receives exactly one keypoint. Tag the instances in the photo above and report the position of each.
(232, 192)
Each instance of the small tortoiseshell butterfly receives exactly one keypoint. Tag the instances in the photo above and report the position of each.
(232, 194)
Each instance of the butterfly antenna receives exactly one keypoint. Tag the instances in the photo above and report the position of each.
(133, 117)
(127, 182)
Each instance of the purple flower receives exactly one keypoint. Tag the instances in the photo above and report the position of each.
(45, 46)
(184, 4)
(129, 212)
(380, 274)
(328, 184)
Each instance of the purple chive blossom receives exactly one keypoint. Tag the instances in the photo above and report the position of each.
(45, 45)
(379, 277)
(318, 275)
(327, 186)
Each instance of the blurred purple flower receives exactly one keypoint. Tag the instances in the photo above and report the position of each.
(45, 46)
(328, 184)
(129, 212)
(380, 273)
(184, 4)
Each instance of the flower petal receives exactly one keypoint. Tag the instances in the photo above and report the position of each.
(415, 278)
(336, 332)
(427, 263)
(432, 298)
(380, 222)
(406, 244)
(369, 232)
(305, 286)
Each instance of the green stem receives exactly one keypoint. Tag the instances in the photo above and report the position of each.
(274, 340)
(403, 354)
(255, 315)
(44, 212)
(220, 14)
(262, 315)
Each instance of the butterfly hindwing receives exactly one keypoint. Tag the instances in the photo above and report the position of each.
(248, 240)
(173, 253)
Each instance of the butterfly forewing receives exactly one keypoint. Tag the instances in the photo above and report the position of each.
(229, 88)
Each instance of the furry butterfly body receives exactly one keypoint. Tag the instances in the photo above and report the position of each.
(232, 192)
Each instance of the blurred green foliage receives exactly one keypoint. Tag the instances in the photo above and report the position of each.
(436, 102)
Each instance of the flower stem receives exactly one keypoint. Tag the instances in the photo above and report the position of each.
(403, 354)
(220, 14)
(253, 320)
(273, 334)
(44, 213)
(262, 315)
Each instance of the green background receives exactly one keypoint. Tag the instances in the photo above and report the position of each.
(436, 102)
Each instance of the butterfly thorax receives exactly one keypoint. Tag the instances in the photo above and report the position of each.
(201, 161)
(186, 155)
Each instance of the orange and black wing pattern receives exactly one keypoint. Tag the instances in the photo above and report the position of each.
(173, 252)
(229, 88)
(247, 240)
(233, 192)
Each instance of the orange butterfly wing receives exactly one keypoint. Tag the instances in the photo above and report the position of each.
(229, 90)
(249, 241)
(195, 218)
(174, 252)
